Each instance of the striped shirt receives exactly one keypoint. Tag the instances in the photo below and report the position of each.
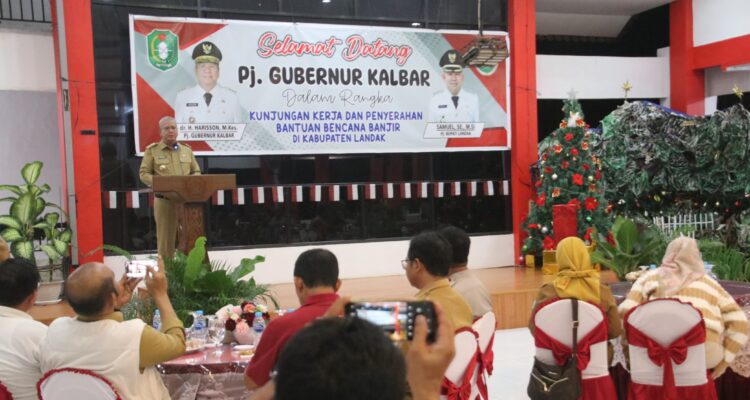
(721, 314)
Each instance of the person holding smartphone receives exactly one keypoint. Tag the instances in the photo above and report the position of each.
(350, 358)
(97, 339)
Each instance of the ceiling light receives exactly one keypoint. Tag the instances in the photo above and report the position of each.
(484, 51)
(416, 24)
(326, 1)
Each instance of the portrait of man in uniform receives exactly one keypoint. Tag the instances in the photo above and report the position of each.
(453, 104)
(207, 102)
(167, 158)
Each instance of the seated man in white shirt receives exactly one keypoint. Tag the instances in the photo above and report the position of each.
(97, 339)
(462, 279)
(20, 335)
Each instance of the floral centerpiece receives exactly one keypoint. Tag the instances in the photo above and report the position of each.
(239, 320)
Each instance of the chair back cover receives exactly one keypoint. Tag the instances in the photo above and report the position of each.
(553, 338)
(75, 384)
(461, 373)
(485, 328)
(667, 354)
(5, 393)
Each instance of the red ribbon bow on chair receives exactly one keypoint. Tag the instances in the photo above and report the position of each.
(562, 352)
(453, 392)
(664, 356)
(485, 361)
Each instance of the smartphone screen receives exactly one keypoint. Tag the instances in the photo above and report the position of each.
(396, 318)
(137, 268)
(389, 315)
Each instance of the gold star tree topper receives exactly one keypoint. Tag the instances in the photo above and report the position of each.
(737, 91)
(627, 87)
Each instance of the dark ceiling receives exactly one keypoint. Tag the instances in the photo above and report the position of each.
(433, 14)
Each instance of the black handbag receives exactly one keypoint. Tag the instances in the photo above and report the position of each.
(558, 382)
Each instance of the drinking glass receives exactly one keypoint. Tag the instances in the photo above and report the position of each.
(216, 333)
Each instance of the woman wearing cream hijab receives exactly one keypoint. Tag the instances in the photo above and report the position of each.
(681, 276)
(577, 279)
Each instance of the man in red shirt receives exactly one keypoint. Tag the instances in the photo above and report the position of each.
(316, 281)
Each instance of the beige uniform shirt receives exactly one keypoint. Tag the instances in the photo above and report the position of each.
(161, 160)
(454, 306)
(473, 291)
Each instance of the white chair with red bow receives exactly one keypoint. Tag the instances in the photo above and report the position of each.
(667, 357)
(553, 338)
(73, 383)
(485, 329)
(461, 376)
(5, 393)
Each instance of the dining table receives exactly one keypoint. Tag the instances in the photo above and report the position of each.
(213, 372)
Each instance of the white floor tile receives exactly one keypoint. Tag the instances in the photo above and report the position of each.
(514, 355)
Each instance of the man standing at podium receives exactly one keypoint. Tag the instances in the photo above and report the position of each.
(167, 158)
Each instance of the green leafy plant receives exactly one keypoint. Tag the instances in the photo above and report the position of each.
(634, 245)
(27, 218)
(195, 284)
(729, 263)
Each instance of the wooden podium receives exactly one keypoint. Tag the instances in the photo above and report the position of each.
(191, 192)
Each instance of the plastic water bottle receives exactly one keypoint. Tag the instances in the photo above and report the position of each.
(259, 324)
(200, 331)
(157, 320)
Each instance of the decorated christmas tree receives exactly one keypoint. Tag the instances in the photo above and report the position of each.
(568, 174)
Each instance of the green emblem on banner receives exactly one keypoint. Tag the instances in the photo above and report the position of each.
(487, 70)
(162, 49)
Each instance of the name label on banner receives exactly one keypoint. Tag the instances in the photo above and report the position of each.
(442, 130)
(188, 132)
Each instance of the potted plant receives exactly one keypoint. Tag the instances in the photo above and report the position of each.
(633, 246)
(34, 233)
(196, 284)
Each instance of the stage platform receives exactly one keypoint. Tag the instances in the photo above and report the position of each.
(512, 289)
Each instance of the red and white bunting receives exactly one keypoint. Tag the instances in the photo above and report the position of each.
(218, 198)
(406, 190)
(278, 194)
(489, 188)
(334, 193)
(316, 194)
(422, 189)
(110, 200)
(471, 188)
(297, 194)
(438, 189)
(455, 188)
(352, 192)
(238, 196)
(388, 190)
(370, 191)
(259, 195)
(133, 199)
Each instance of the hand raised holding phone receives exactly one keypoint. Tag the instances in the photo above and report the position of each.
(156, 280)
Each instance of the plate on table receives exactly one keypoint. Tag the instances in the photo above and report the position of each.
(191, 350)
(193, 346)
(245, 350)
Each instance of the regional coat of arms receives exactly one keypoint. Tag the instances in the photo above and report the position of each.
(163, 49)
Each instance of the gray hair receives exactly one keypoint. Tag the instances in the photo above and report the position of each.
(165, 119)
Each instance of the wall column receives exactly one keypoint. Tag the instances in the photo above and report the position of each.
(71, 24)
(687, 86)
(524, 135)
